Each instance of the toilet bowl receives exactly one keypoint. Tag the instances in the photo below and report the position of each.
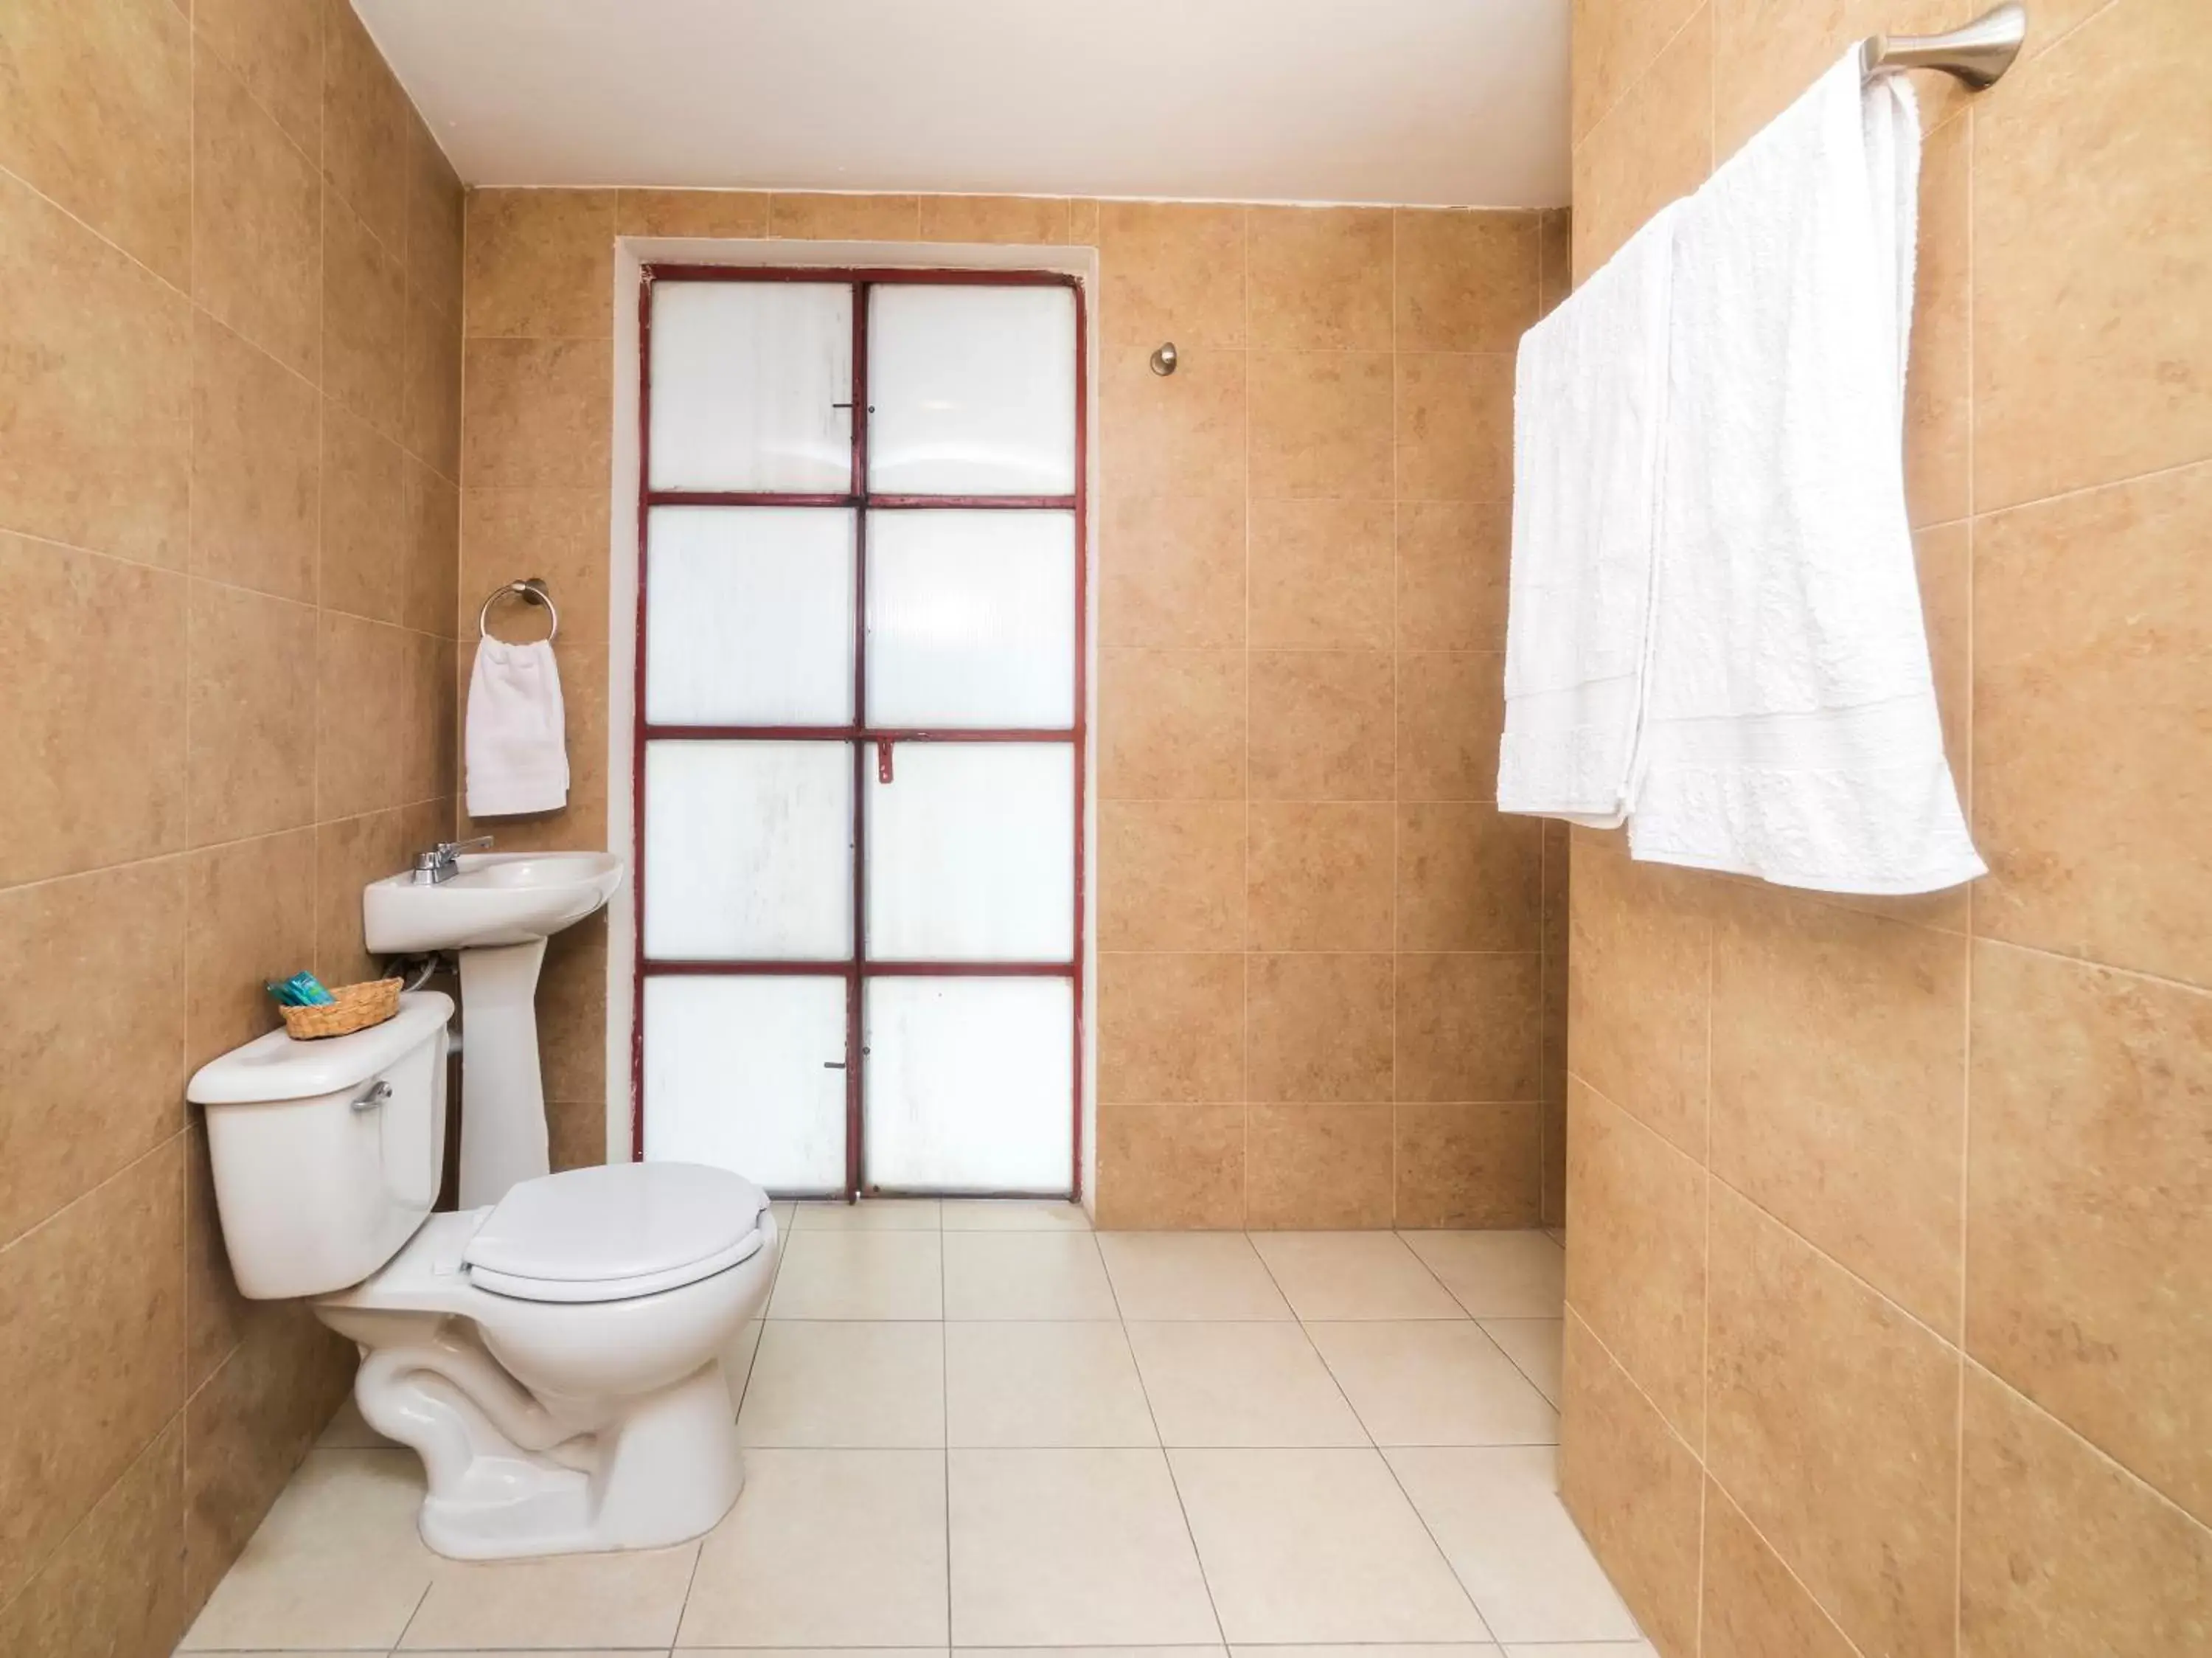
(555, 1358)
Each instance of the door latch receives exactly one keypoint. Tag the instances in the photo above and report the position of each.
(883, 760)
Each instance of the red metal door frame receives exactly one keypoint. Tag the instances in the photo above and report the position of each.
(856, 969)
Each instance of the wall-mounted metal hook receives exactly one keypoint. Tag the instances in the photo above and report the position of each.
(1163, 360)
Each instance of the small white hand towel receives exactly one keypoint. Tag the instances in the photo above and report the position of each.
(1589, 396)
(518, 749)
(1790, 727)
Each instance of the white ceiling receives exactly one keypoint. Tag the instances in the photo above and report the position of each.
(1460, 102)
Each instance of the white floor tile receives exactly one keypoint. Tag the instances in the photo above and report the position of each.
(859, 1275)
(1497, 1275)
(826, 1548)
(1239, 1384)
(817, 1382)
(1423, 1649)
(1024, 1275)
(1090, 1652)
(1434, 1381)
(1533, 1345)
(610, 1600)
(335, 1564)
(1189, 1275)
(1498, 1515)
(868, 1215)
(346, 1431)
(1013, 1214)
(1073, 1548)
(1581, 1649)
(1043, 1384)
(1317, 1547)
(737, 1361)
(1354, 1275)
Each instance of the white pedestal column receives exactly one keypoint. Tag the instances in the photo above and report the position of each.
(502, 1094)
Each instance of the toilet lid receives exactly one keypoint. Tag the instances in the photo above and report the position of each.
(616, 1231)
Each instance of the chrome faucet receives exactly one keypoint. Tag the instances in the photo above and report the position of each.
(441, 862)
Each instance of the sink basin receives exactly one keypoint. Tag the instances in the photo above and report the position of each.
(498, 898)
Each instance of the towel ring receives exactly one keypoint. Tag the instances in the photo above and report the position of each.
(532, 589)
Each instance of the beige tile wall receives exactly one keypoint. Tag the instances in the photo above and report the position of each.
(230, 422)
(1889, 1263)
(1324, 985)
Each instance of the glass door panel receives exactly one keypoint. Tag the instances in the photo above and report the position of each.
(969, 1084)
(971, 390)
(971, 853)
(750, 612)
(748, 851)
(971, 618)
(747, 381)
(748, 1074)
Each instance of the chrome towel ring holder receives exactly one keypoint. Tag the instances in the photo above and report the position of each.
(531, 589)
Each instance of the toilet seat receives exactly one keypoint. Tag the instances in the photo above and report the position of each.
(615, 1232)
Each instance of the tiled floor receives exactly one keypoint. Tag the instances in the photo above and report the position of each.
(979, 1426)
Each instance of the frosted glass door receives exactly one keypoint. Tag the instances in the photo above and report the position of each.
(748, 382)
(748, 1074)
(971, 390)
(749, 613)
(971, 853)
(970, 1083)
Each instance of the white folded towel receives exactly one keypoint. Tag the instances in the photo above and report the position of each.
(1790, 727)
(518, 751)
(1590, 394)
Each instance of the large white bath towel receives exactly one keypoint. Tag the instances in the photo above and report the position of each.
(1589, 405)
(517, 745)
(1790, 727)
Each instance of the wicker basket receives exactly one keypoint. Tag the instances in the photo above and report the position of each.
(352, 1008)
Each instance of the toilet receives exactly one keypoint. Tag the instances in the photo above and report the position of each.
(555, 1357)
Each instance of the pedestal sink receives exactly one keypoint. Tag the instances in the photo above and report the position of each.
(497, 913)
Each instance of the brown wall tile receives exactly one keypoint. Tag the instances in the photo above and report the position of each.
(1633, 1487)
(1317, 1027)
(1319, 278)
(1170, 271)
(1172, 1166)
(1319, 876)
(364, 319)
(1030, 221)
(257, 222)
(1467, 1165)
(1638, 988)
(1317, 1167)
(1816, 1385)
(214, 1312)
(256, 477)
(2089, 1207)
(250, 918)
(116, 1584)
(1171, 724)
(2091, 665)
(1467, 1026)
(1753, 1606)
(691, 213)
(1172, 875)
(276, 47)
(1171, 1027)
(1468, 878)
(572, 1009)
(558, 533)
(845, 218)
(104, 1277)
(251, 714)
(1172, 571)
(1838, 1085)
(1454, 426)
(365, 129)
(430, 392)
(97, 118)
(362, 699)
(1321, 575)
(536, 412)
(430, 551)
(1182, 434)
(95, 1077)
(2107, 134)
(434, 211)
(95, 373)
(1323, 730)
(1654, 143)
(2063, 1551)
(1452, 561)
(360, 568)
(541, 263)
(1614, 46)
(1451, 706)
(1939, 381)
(1637, 1273)
(91, 666)
(1466, 281)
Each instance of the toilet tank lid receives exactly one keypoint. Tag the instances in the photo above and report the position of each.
(274, 1067)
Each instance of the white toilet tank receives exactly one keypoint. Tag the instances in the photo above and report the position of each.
(327, 1155)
